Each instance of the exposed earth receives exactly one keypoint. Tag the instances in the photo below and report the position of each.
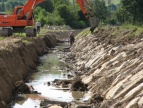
(108, 63)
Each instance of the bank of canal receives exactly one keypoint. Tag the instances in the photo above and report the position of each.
(52, 67)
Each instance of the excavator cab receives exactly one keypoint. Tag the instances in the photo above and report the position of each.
(87, 11)
(17, 9)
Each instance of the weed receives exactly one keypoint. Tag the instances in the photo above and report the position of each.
(26, 41)
(84, 33)
(2, 37)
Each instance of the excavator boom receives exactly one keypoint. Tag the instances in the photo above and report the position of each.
(28, 7)
(94, 21)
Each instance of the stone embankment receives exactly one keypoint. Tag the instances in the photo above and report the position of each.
(110, 61)
(18, 58)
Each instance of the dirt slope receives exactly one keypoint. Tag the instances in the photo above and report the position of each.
(18, 57)
(111, 63)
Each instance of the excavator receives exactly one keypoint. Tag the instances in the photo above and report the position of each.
(23, 17)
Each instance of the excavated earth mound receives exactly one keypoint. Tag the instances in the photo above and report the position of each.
(18, 58)
(110, 61)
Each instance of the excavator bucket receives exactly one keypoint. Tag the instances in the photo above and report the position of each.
(94, 21)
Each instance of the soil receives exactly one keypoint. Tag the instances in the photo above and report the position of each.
(110, 61)
(107, 62)
(18, 58)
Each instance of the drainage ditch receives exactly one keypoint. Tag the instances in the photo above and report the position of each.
(52, 68)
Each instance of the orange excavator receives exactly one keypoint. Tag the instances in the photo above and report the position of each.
(23, 17)
(87, 11)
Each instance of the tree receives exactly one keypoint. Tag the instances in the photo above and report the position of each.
(47, 5)
(132, 11)
(3, 7)
(69, 18)
(10, 5)
(100, 10)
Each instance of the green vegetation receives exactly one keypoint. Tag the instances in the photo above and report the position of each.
(58, 12)
(115, 2)
(19, 34)
(130, 12)
(2, 38)
(67, 12)
(137, 30)
(26, 41)
(85, 32)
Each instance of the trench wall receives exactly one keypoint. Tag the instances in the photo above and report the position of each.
(18, 57)
(110, 62)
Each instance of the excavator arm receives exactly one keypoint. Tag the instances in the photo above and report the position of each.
(28, 8)
(87, 11)
(82, 5)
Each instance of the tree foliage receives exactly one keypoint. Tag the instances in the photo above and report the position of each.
(101, 10)
(67, 15)
(60, 12)
(130, 11)
(47, 5)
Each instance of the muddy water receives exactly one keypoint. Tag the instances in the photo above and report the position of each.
(51, 68)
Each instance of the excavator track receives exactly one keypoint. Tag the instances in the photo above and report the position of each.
(5, 32)
(30, 32)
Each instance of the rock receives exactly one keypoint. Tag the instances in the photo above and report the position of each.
(82, 106)
(106, 103)
(133, 103)
(35, 92)
(55, 106)
(82, 67)
(96, 98)
(140, 102)
(3, 104)
(22, 87)
(78, 85)
(50, 103)
(48, 83)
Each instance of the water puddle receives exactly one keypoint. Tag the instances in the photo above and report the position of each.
(52, 68)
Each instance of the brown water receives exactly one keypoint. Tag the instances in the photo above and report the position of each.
(51, 68)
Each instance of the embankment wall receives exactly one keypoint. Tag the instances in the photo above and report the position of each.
(110, 61)
(18, 58)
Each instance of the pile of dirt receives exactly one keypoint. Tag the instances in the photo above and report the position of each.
(110, 62)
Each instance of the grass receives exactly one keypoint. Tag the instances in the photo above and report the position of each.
(2, 38)
(43, 31)
(84, 33)
(137, 30)
(19, 34)
(26, 41)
